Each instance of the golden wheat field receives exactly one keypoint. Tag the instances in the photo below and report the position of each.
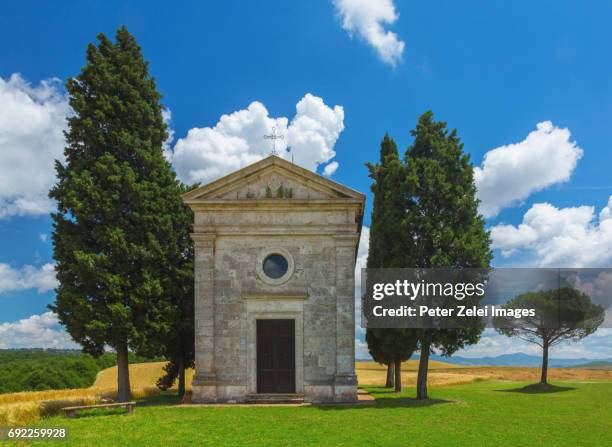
(144, 375)
(18, 409)
(445, 374)
(24, 408)
(368, 373)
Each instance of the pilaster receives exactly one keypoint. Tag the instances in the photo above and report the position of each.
(204, 383)
(345, 380)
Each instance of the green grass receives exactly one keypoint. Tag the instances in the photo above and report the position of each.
(481, 414)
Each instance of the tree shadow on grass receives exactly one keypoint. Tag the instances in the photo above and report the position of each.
(390, 402)
(538, 388)
(158, 400)
(97, 412)
(385, 402)
(384, 397)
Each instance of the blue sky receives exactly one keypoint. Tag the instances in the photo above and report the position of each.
(492, 69)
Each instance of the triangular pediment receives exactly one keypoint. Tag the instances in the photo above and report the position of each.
(272, 178)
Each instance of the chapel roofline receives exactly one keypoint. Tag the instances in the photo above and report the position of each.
(200, 193)
(206, 197)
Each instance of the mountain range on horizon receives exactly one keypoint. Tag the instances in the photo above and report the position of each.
(520, 359)
(514, 359)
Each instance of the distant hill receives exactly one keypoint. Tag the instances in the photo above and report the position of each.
(518, 359)
(52, 369)
(599, 364)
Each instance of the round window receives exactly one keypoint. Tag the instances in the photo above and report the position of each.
(275, 266)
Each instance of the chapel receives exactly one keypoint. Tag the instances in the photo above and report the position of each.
(275, 252)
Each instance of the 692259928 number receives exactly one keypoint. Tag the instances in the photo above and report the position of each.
(33, 433)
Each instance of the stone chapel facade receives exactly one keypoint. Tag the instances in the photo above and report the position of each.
(275, 252)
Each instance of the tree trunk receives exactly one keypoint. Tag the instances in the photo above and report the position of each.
(181, 377)
(124, 393)
(390, 371)
(544, 377)
(398, 375)
(423, 367)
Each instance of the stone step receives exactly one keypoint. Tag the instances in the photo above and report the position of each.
(276, 398)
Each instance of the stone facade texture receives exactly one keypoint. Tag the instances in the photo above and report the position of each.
(274, 206)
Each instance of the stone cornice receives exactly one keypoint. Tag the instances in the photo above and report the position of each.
(346, 240)
(204, 239)
(276, 205)
(257, 295)
(281, 230)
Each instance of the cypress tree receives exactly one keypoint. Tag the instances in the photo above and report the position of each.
(374, 339)
(119, 229)
(179, 347)
(442, 224)
(388, 346)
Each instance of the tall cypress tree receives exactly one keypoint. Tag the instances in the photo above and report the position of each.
(442, 222)
(385, 213)
(389, 346)
(118, 229)
(179, 347)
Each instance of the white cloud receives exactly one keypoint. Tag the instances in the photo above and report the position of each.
(313, 132)
(32, 119)
(366, 18)
(37, 331)
(238, 140)
(492, 344)
(596, 346)
(330, 169)
(362, 254)
(28, 277)
(361, 350)
(509, 174)
(167, 145)
(43, 237)
(566, 237)
(598, 288)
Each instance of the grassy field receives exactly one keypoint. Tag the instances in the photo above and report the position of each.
(471, 406)
(476, 414)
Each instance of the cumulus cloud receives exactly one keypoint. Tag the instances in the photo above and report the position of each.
(37, 331)
(237, 140)
(366, 19)
(492, 344)
(167, 145)
(313, 132)
(598, 288)
(362, 254)
(329, 170)
(509, 174)
(361, 349)
(28, 277)
(570, 237)
(32, 119)
(597, 346)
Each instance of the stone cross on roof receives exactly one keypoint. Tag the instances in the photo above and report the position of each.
(273, 136)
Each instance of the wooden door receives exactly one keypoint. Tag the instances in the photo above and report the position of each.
(275, 356)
